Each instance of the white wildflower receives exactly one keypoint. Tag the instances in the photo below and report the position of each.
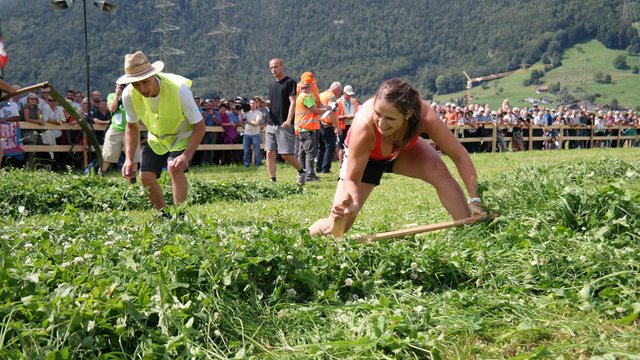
(344, 266)
(78, 260)
(366, 273)
(414, 265)
(28, 246)
(583, 258)
(157, 253)
(20, 209)
(217, 333)
(480, 258)
(109, 243)
(291, 293)
(289, 257)
(65, 264)
(320, 257)
(348, 282)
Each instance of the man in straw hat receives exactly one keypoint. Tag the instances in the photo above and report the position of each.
(165, 105)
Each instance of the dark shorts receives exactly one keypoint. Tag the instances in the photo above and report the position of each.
(343, 137)
(372, 172)
(154, 163)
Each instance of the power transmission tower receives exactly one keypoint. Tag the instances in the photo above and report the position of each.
(225, 56)
(164, 29)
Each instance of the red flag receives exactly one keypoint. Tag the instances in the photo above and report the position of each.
(4, 57)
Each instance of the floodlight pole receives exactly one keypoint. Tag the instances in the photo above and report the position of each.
(86, 50)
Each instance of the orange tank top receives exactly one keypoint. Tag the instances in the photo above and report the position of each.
(376, 152)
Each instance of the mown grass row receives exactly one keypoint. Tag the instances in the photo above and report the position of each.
(554, 274)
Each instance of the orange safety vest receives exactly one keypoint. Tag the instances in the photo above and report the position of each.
(326, 97)
(344, 122)
(305, 118)
(314, 91)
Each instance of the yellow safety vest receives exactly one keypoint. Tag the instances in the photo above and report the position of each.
(168, 129)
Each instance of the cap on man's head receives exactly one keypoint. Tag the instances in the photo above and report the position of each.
(137, 68)
(307, 79)
(349, 90)
(308, 74)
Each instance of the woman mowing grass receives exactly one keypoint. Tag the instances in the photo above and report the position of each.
(385, 137)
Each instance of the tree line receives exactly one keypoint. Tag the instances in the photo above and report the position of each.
(428, 42)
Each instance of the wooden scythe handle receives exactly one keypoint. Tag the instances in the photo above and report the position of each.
(422, 228)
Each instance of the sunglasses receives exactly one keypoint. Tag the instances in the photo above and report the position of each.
(51, 100)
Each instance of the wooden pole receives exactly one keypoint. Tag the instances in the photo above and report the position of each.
(494, 137)
(422, 229)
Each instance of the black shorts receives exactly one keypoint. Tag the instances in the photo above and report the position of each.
(372, 171)
(154, 163)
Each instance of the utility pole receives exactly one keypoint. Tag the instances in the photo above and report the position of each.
(225, 55)
(164, 29)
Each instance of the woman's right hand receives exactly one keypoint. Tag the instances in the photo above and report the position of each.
(343, 208)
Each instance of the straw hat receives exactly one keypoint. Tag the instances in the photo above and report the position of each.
(137, 67)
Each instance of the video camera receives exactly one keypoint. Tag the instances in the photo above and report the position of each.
(242, 104)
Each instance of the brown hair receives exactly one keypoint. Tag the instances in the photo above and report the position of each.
(406, 100)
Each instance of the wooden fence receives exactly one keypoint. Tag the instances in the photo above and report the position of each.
(528, 140)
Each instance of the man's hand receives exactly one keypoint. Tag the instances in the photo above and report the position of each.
(286, 124)
(180, 163)
(129, 169)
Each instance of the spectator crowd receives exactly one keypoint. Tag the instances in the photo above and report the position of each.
(243, 121)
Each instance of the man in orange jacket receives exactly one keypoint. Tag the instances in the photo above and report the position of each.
(329, 128)
(307, 119)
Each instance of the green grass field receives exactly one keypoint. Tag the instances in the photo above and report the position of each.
(88, 271)
(579, 64)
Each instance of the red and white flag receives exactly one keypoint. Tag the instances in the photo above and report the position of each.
(4, 57)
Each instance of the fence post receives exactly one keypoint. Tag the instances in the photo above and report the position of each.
(530, 136)
(619, 134)
(494, 137)
(560, 133)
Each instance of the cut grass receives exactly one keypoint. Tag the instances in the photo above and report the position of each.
(554, 275)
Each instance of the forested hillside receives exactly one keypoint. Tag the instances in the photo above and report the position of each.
(361, 43)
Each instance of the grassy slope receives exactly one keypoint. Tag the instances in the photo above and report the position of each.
(593, 57)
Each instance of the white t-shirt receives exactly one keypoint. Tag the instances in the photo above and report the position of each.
(50, 115)
(189, 107)
(252, 117)
(11, 109)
